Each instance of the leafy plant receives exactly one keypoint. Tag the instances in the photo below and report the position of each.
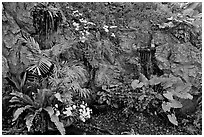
(41, 104)
(46, 18)
(104, 96)
(71, 79)
(174, 88)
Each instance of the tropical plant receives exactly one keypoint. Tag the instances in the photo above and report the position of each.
(46, 20)
(71, 79)
(42, 103)
(173, 89)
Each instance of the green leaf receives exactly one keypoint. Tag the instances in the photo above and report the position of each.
(115, 105)
(23, 98)
(175, 104)
(183, 91)
(49, 110)
(59, 125)
(166, 106)
(20, 111)
(155, 80)
(23, 80)
(84, 92)
(184, 95)
(108, 102)
(167, 84)
(136, 84)
(188, 12)
(70, 120)
(172, 119)
(168, 95)
(15, 100)
(183, 88)
(29, 120)
(143, 79)
(159, 96)
(55, 120)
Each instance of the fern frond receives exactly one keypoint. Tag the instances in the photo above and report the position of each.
(73, 73)
(81, 73)
(82, 92)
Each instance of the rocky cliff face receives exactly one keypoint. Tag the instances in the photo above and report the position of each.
(15, 17)
(137, 47)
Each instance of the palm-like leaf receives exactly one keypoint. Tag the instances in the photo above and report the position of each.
(80, 73)
(42, 66)
(71, 78)
(71, 74)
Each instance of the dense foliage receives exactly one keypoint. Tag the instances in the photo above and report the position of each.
(87, 58)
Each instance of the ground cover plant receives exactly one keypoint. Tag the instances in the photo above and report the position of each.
(102, 68)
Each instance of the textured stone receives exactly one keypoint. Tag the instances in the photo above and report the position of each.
(15, 17)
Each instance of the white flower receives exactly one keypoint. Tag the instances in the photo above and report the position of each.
(74, 106)
(82, 20)
(82, 106)
(87, 33)
(152, 45)
(82, 118)
(77, 28)
(91, 23)
(76, 11)
(68, 111)
(57, 113)
(88, 116)
(75, 24)
(56, 105)
(105, 27)
(80, 110)
(113, 27)
(87, 109)
(113, 35)
(83, 39)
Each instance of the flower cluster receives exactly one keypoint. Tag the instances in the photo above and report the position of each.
(68, 111)
(84, 111)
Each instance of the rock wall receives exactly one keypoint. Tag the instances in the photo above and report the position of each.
(181, 59)
(15, 17)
